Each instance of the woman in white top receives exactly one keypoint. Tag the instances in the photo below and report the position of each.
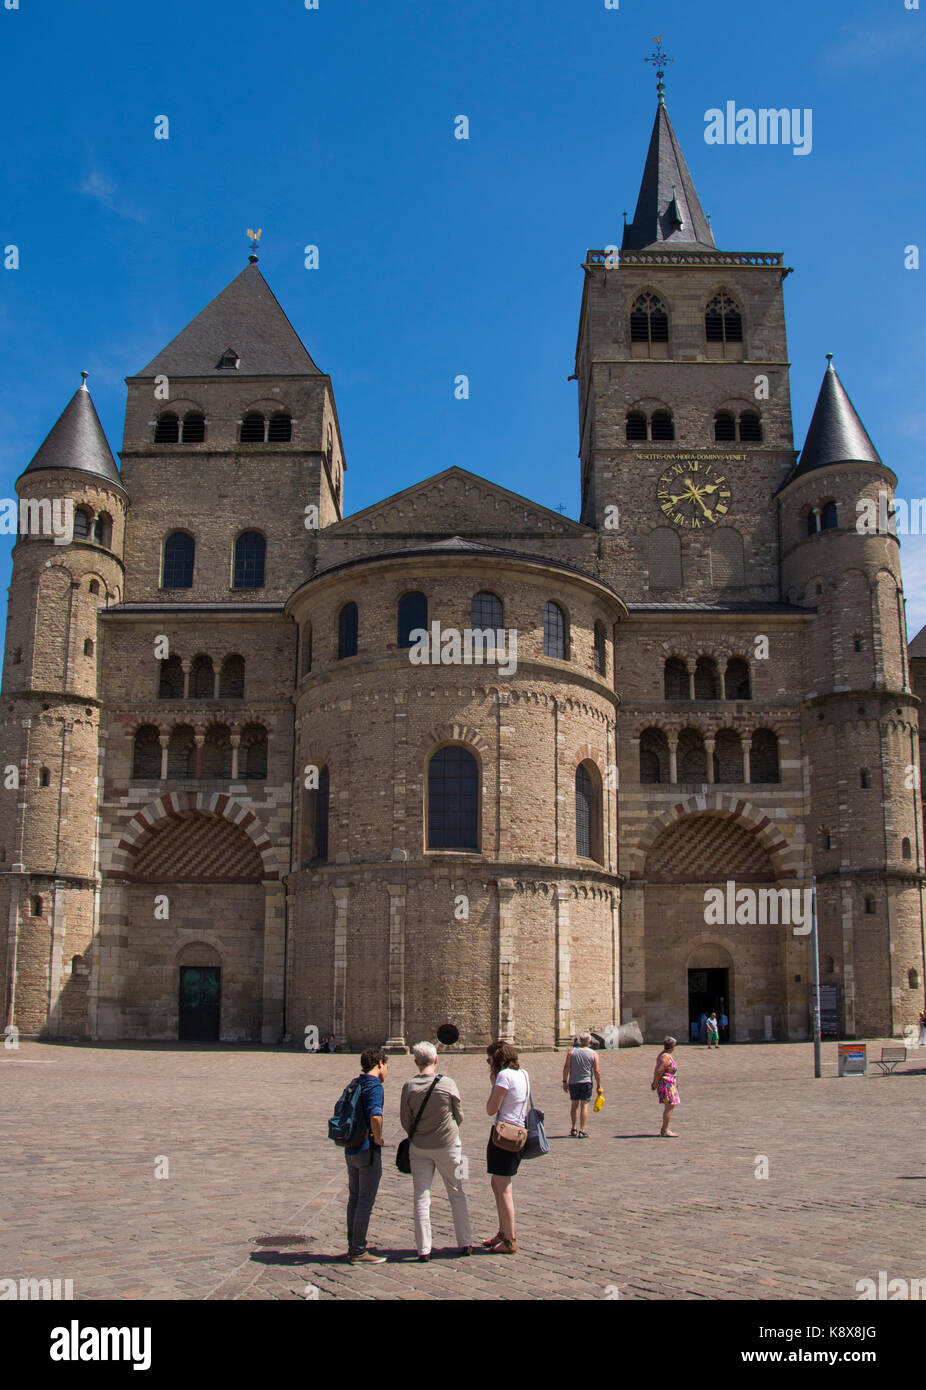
(509, 1101)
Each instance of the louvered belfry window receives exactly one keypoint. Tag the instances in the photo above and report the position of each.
(649, 322)
(723, 322)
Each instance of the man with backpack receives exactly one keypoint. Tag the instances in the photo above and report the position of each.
(357, 1124)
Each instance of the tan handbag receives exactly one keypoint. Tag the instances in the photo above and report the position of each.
(508, 1136)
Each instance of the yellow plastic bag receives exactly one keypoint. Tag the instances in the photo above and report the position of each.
(599, 1103)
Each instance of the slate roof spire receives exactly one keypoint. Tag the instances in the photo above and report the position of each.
(246, 314)
(836, 434)
(76, 440)
(668, 210)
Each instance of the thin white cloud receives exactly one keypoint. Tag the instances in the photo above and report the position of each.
(103, 190)
(858, 44)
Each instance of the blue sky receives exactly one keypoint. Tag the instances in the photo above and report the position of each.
(437, 256)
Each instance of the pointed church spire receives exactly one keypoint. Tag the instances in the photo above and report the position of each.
(668, 209)
(836, 433)
(76, 440)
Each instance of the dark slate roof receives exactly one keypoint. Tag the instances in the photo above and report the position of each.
(717, 606)
(836, 433)
(668, 210)
(245, 317)
(917, 648)
(76, 440)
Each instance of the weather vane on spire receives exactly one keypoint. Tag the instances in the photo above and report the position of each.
(254, 239)
(659, 60)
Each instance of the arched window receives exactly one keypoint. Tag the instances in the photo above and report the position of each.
(601, 651)
(250, 554)
(736, 679)
(280, 429)
(167, 429)
(723, 322)
(724, 426)
(913, 979)
(486, 611)
(217, 752)
(231, 678)
(44, 777)
(170, 682)
(905, 848)
(654, 756)
(864, 779)
(146, 754)
(649, 322)
(179, 553)
(88, 646)
(676, 679)
(707, 679)
(663, 426)
(763, 758)
(588, 813)
(636, 425)
(828, 517)
(202, 678)
(453, 799)
(306, 665)
(412, 613)
(691, 757)
(194, 428)
(727, 567)
(94, 586)
(252, 755)
(554, 631)
(750, 428)
(347, 631)
(36, 907)
(181, 753)
(829, 965)
(253, 428)
(103, 530)
(813, 522)
(81, 524)
(870, 906)
(728, 756)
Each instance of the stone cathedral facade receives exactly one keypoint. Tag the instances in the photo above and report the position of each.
(236, 804)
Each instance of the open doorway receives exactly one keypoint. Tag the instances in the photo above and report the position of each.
(200, 1002)
(708, 992)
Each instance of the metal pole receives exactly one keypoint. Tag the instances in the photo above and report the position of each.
(815, 952)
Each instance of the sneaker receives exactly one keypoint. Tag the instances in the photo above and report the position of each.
(366, 1258)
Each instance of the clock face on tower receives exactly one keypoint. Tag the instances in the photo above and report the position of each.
(693, 494)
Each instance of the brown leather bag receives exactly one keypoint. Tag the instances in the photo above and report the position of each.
(508, 1136)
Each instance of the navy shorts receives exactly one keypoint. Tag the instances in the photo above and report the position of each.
(583, 1091)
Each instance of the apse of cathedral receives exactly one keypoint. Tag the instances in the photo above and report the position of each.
(456, 766)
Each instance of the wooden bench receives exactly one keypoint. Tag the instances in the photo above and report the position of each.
(890, 1058)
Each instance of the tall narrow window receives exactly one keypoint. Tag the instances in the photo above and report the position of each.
(453, 799)
(554, 631)
(636, 425)
(44, 777)
(736, 679)
(306, 649)
(231, 678)
(250, 554)
(601, 659)
(724, 427)
(649, 322)
(194, 428)
(81, 524)
(728, 756)
(707, 679)
(146, 754)
(322, 802)
(167, 429)
(179, 553)
(654, 756)
(662, 425)
(829, 519)
(750, 428)
(763, 761)
(103, 530)
(723, 322)
(675, 679)
(170, 680)
(412, 613)
(253, 428)
(252, 754)
(181, 753)
(347, 631)
(217, 752)
(691, 757)
(280, 429)
(202, 678)
(588, 813)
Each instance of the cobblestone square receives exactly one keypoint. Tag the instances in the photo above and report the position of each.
(253, 1207)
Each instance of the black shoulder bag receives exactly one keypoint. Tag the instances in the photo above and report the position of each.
(403, 1159)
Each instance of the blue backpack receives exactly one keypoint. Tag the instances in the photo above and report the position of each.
(348, 1125)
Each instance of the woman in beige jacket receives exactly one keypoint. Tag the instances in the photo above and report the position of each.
(436, 1146)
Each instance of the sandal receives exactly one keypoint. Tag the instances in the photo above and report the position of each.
(496, 1240)
(573, 1134)
(507, 1247)
(583, 1133)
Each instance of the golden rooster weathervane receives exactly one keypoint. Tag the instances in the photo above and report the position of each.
(254, 239)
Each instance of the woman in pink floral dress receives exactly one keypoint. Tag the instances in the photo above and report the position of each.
(666, 1086)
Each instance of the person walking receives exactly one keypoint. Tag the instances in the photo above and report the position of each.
(713, 1031)
(508, 1101)
(365, 1161)
(666, 1086)
(435, 1147)
(580, 1066)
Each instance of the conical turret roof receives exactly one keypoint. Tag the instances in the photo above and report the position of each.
(836, 433)
(246, 320)
(76, 440)
(668, 210)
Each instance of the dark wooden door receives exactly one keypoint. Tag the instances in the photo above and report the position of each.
(200, 1003)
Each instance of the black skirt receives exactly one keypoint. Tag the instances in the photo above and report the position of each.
(501, 1163)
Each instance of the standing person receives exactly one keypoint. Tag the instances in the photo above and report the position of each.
(580, 1066)
(665, 1085)
(724, 1028)
(436, 1146)
(923, 1028)
(713, 1031)
(365, 1161)
(508, 1101)
(702, 1028)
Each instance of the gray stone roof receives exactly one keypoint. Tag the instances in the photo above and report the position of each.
(246, 318)
(668, 211)
(836, 433)
(716, 606)
(76, 440)
(917, 648)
